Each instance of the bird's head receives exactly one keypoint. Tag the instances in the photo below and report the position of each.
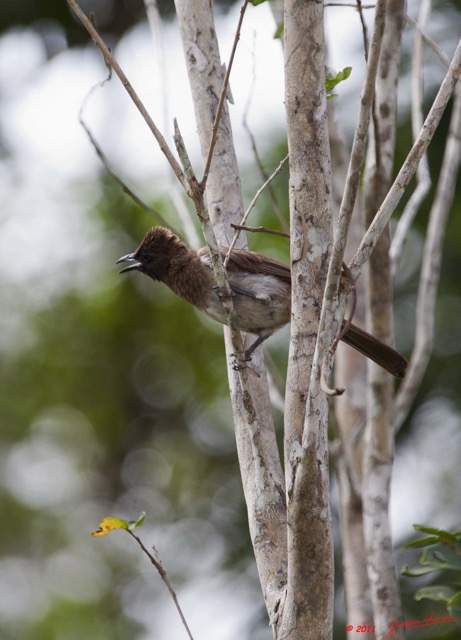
(154, 254)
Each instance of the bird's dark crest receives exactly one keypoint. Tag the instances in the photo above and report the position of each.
(157, 236)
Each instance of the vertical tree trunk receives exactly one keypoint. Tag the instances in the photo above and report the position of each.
(259, 458)
(308, 608)
(379, 434)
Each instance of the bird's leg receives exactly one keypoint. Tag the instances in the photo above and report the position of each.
(238, 364)
(248, 352)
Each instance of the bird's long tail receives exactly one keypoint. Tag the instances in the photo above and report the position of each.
(381, 353)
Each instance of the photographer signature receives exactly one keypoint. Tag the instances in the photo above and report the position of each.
(418, 624)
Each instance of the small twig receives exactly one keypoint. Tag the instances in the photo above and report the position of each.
(216, 259)
(222, 97)
(243, 227)
(359, 8)
(350, 4)
(266, 184)
(252, 204)
(408, 168)
(270, 191)
(333, 305)
(105, 161)
(409, 214)
(326, 366)
(125, 188)
(195, 190)
(131, 92)
(430, 271)
(162, 573)
(175, 192)
(423, 176)
(360, 139)
(428, 40)
(259, 162)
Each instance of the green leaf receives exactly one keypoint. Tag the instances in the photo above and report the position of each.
(332, 77)
(454, 607)
(132, 524)
(424, 542)
(256, 2)
(441, 534)
(441, 556)
(424, 529)
(414, 572)
(438, 593)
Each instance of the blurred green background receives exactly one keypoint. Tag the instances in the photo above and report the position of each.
(114, 395)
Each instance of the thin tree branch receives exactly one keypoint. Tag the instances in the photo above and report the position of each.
(208, 232)
(359, 8)
(378, 442)
(259, 162)
(327, 363)
(409, 167)
(432, 257)
(270, 191)
(273, 232)
(220, 275)
(105, 161)
(252, 204)
(175, 192)
(130, 90)
(425, 36)
(423, 176)
(222, 97)
(350, 368)
(332, 311)
(162, 573)
(352, 5)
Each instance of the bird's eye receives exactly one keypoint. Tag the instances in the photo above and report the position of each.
(143, 256)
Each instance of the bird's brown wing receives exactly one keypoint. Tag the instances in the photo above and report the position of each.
(249, 262)
(252, 262)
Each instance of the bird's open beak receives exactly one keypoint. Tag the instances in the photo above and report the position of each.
(129, 258)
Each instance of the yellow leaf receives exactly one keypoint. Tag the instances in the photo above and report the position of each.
(110, 524)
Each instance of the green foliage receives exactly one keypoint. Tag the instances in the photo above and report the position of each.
(333, 78)
(443, 553)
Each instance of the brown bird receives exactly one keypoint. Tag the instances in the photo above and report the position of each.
(261, 289)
